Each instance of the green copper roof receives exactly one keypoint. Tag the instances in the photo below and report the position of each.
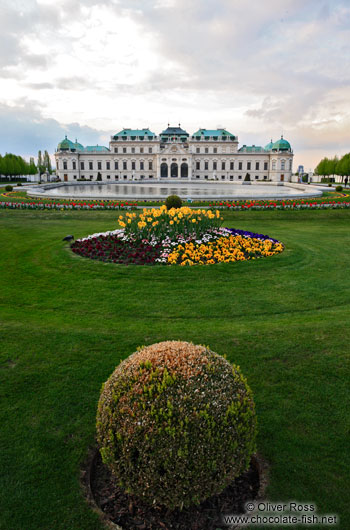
(268, 147)
(65, 145)
(100, 148)
(213, 132)
(251, 149)
(68, 145)
(135, 132)
(281, 145)
(174, 131)
(78, 146)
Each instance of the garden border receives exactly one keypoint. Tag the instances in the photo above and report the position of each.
(87, 469)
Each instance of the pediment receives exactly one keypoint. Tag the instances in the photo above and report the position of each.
(174, 149)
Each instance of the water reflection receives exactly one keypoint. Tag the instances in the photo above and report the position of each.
(155, 190)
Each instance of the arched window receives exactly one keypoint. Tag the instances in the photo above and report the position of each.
(184, 170)
(174, 170)
(164, 170)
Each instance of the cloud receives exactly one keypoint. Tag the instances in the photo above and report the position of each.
(24, 130)
(260, 69)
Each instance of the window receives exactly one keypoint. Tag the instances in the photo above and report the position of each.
(91, 177)
(108, 165)
(90, 165)
(215, 150)
(142, 165)
(116, 164)
(64, 164)
(133, 165)
(206, 150)
(283, 164)
(198, 150)
(125, 166)
(197, 176)
(125, 176)
(223, 165)
(257, 166)
(150, 165)
(206, 177)
(82, 165)
(206, 166)
(116, 149)
(222, 177)
(265, 177)
(290, 165)
(215, 165)
(82, 176)
(239, 177)
(240, 165)
(274, 164)
(256, 177)
(232, 165)
(150, 149)
(74, 164)
(249, 165)
(231, 177)
(75, 177)
(124, 149)
(265, 166)
(116, 177)
(108, 177)
(198, 165)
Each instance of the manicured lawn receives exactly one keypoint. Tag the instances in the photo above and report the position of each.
(65, 322)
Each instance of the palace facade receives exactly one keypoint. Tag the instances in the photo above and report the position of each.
(137, 154)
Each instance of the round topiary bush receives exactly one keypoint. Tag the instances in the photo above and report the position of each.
(173, 201)
(9, 188)
(339, 188)
(176, 424)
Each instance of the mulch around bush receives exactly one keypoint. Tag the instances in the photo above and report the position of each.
(131, 514)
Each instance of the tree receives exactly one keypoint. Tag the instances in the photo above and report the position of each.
(13, 165)
(32, 167)
(343, 166)
(47, 162)
(41, 167)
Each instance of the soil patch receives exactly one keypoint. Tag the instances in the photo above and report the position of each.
(122, 511)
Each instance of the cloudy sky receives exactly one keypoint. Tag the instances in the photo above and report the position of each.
(88, 68)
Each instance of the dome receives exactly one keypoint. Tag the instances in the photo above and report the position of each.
(66, 145)
(281, 145)
(78, 146)
(269, 146)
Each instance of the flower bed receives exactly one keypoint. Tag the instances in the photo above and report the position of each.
(183, 237)
(323, 203)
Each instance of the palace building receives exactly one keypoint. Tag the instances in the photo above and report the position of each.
(208, 154)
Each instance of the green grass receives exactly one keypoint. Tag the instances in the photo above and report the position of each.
(65, 322)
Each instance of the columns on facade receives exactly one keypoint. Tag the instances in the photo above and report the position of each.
(157, 160)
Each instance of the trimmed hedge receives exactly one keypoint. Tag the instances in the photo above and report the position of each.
(176, 424)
